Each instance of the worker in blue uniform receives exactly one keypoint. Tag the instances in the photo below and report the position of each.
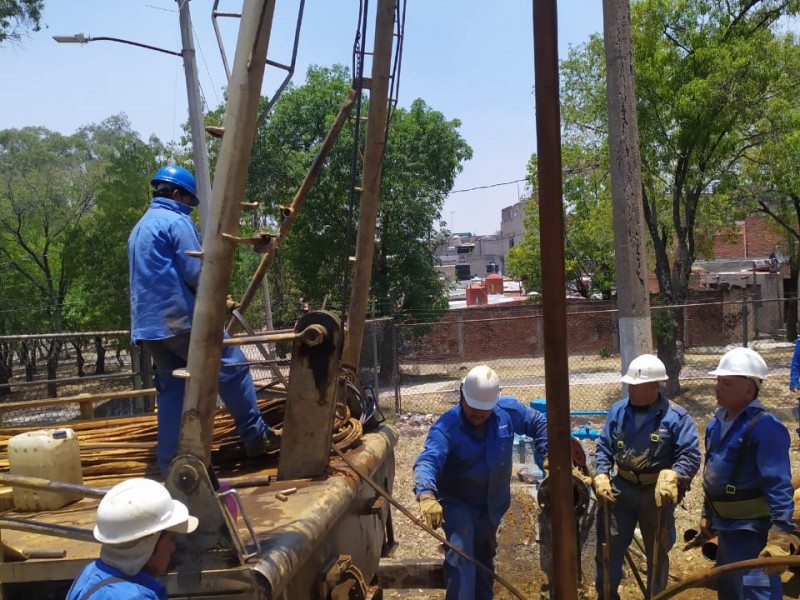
(462, 477)
(794, 378)
(163, 282)
(137, 521)
(747, 479)
(646, 457)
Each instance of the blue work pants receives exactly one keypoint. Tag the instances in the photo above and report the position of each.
(734, 546)
(469, 529)
(635, 504)
(236, 389)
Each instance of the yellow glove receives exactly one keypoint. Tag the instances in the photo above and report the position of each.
(587, 479)
(602, 488)
(546, 467)
(667, 488)
(431, 512)
(779, 543)
(231, 304)
(796, 513)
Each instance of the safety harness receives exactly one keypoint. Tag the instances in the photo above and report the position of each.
(731, 502)
(100, 584)
(647, 474)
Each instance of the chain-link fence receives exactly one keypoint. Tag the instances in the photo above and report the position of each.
(434, 357)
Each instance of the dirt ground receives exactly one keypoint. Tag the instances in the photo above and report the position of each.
(520, 536)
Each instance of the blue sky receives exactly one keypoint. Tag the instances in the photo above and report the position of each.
(469, 59)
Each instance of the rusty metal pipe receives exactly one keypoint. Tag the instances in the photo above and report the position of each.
(551, 219)
(47, 485)
(375, 146)
(708, 575)
(709, 549)
(29, 526)
(290, 213)
(313, 335)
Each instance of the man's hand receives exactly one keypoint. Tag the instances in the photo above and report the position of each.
(587, 479)
(667, 488)
(602, 488)
(705, 527)
(779, 543)
(796, 513)
(546, 466)
(431, 512)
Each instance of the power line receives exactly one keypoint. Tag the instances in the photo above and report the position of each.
(484, 187)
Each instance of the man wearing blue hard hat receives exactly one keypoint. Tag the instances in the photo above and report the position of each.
(163, 284)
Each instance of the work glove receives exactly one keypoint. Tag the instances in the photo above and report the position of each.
(667, 488)
(546, 467)
(602, 488)
(231, 304)
(576, 472)
(796, 513)
(431, 512)
(779, 543)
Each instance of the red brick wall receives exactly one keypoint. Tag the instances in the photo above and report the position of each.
(753, 238)
(486, 332)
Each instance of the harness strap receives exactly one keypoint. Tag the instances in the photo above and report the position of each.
(619, 446)
(100, 584)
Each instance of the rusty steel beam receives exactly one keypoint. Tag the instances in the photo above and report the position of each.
(290, 212)
(551, 219)
(230, 179)
(371, 186)
(311, 399)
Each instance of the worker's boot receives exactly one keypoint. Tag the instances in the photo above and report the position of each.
(268, 444)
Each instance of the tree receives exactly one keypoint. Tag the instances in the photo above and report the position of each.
(589, 238)
(48, 193)
(423, 156)
(18, 16)
(705, 72)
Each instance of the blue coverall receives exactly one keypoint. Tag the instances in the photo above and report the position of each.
(764, 466)
(109, 583)
(794, 378)
(666, 438)
(163, 284)
(469, 471)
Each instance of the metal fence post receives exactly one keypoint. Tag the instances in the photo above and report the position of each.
(745, 325)
(396, 367)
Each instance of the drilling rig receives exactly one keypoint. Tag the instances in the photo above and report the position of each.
(313, 527)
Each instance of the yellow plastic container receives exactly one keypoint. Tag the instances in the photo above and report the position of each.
(52, 454)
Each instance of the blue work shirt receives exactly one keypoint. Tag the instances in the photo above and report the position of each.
(138, 587)
(765, 465)
(459, 463)
(163, 279)
(677, 448)
(794, 372)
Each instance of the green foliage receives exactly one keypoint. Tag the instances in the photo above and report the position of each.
(589, 238)
(18, 16)
(423, 155)
(46, 189)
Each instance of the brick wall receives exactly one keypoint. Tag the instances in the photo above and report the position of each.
(755, 237)
(490, 332)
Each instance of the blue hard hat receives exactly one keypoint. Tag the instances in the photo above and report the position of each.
(177, 176)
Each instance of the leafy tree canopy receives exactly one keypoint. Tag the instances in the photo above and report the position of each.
(18, 16)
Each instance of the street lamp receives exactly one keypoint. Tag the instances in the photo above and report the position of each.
(79, 38)
(195, 104)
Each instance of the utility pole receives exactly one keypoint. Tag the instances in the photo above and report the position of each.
(199, 148)
(630, 255)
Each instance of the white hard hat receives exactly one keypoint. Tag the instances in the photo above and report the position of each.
(481, 388)
(743, 362)
(644, 369)
(137, 508)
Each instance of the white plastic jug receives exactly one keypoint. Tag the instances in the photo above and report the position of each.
(52, 454)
